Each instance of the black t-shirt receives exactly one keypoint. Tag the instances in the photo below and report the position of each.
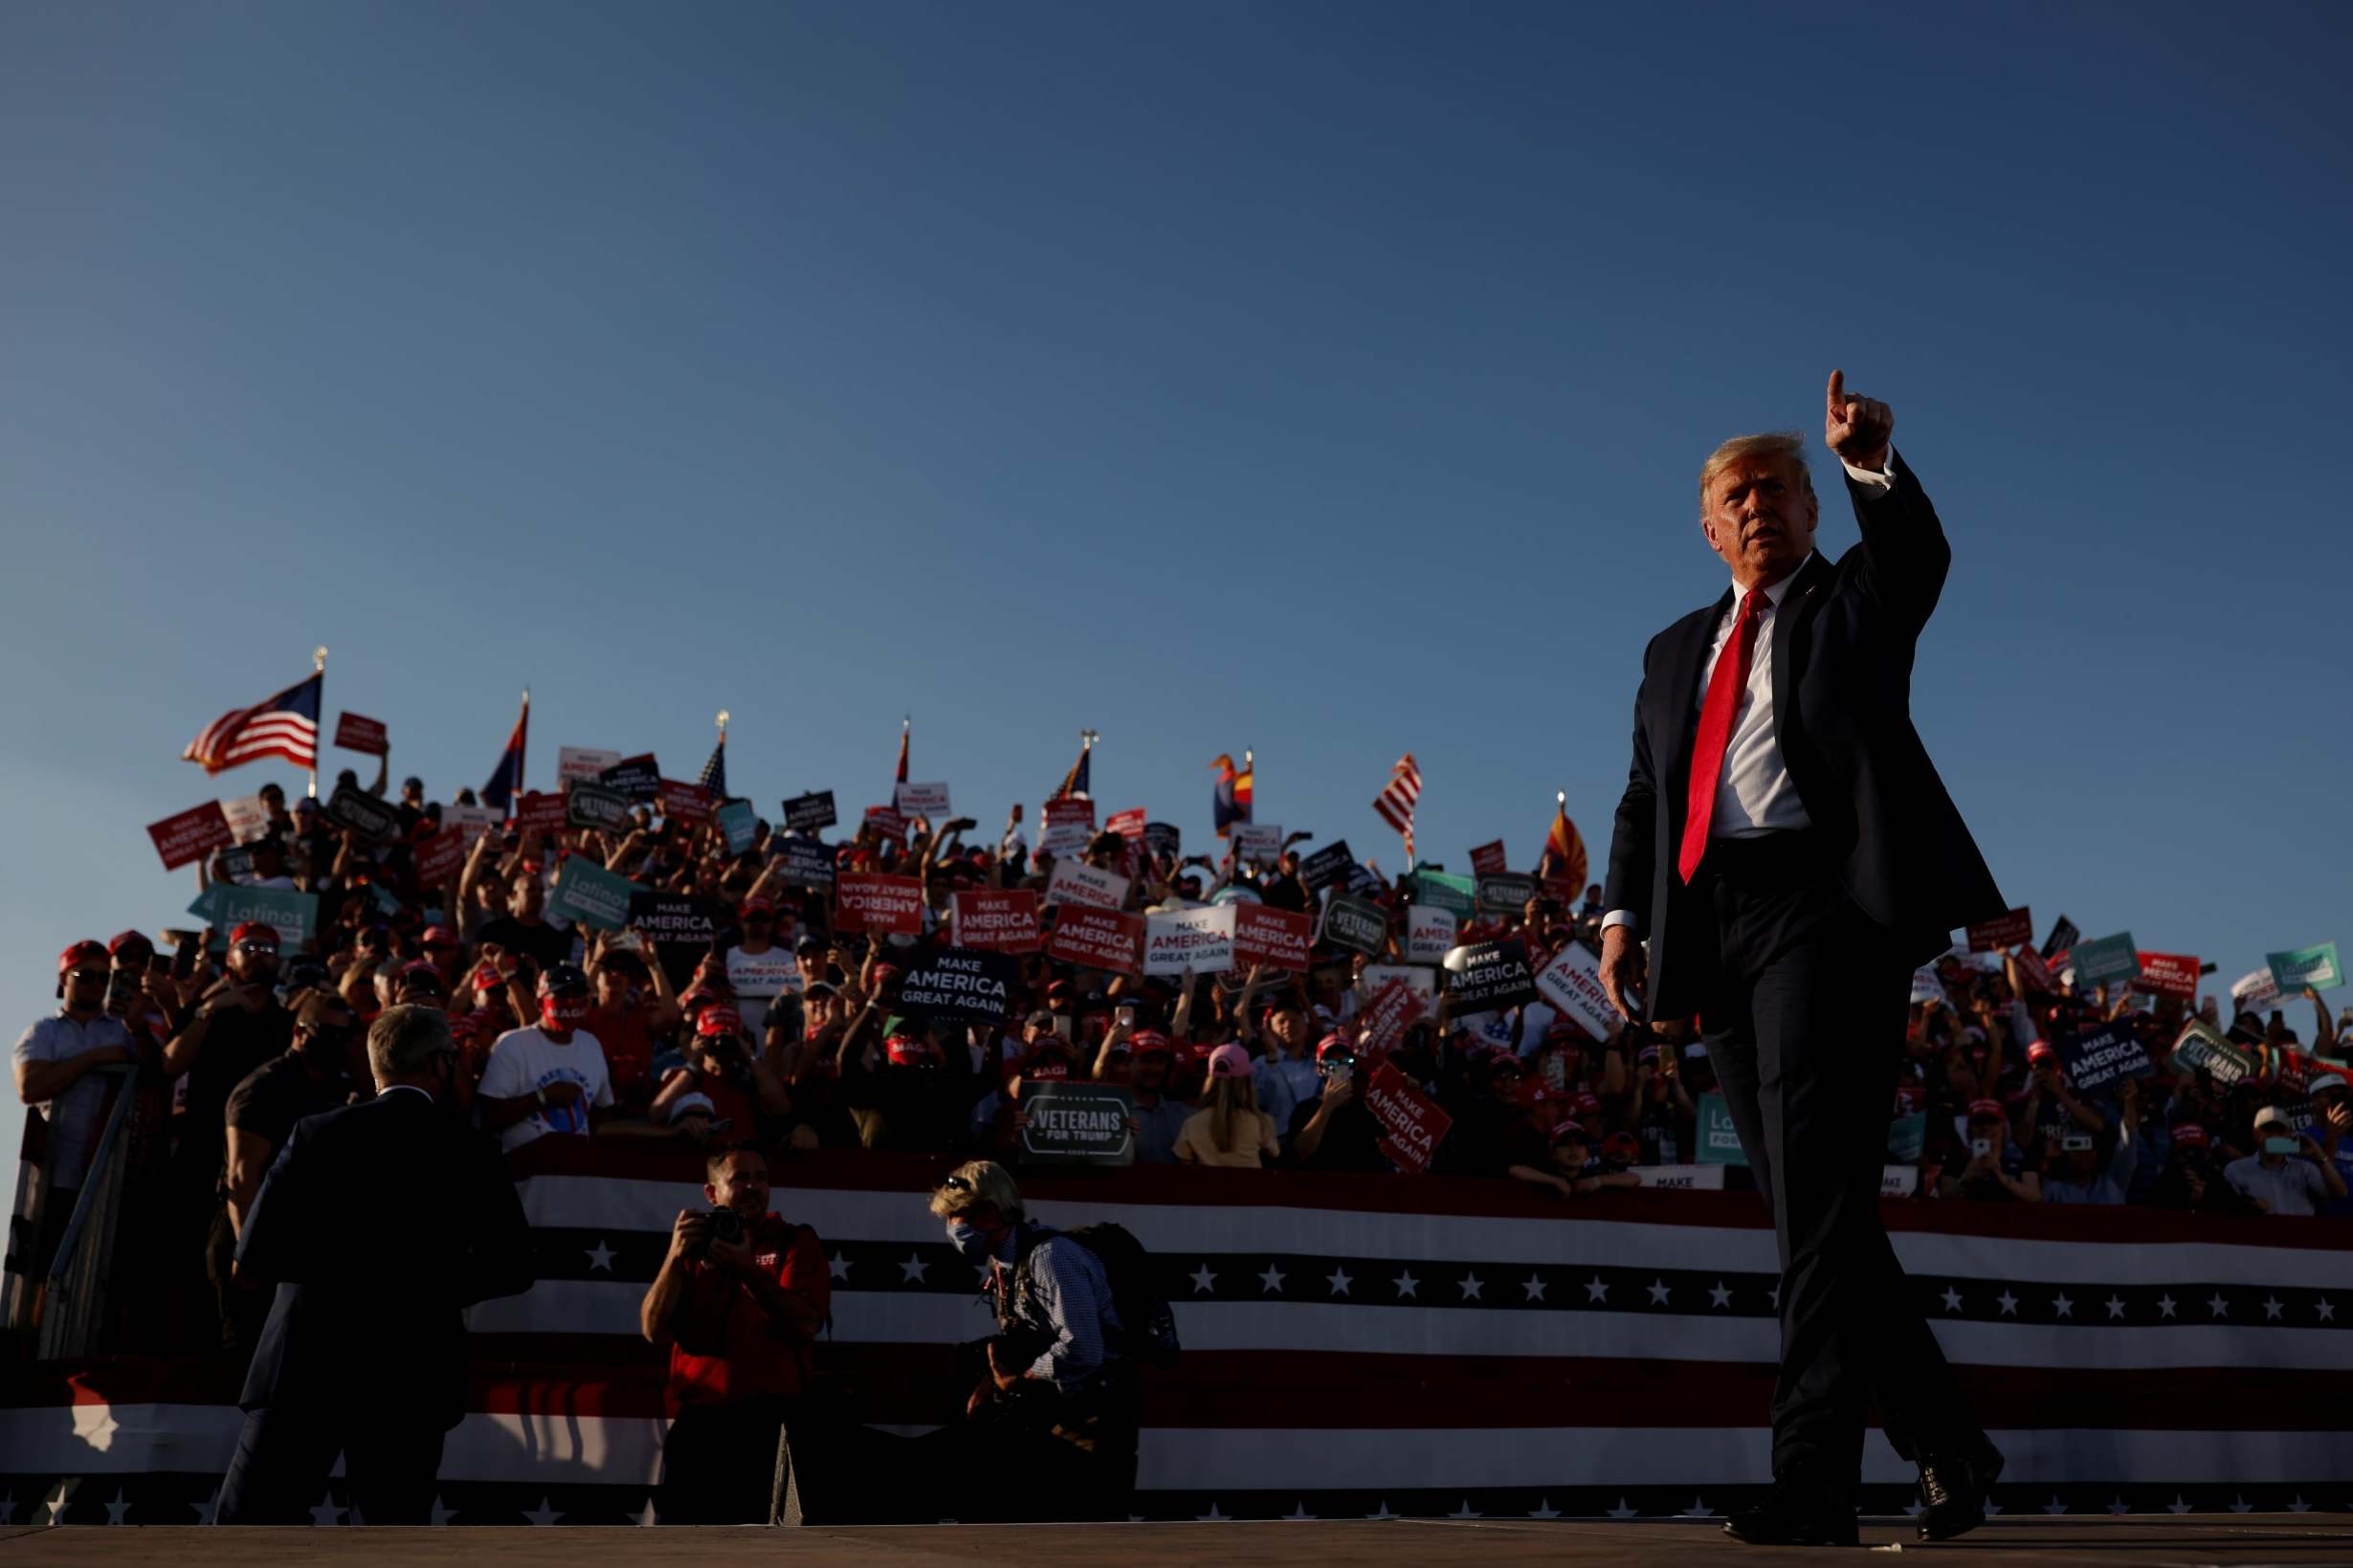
(236, 1042)
(1285, 892)
(1351, 1139)
(543, 943)
(269, 1100)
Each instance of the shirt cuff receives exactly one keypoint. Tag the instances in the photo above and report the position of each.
(1864, 475)
(1617, 916)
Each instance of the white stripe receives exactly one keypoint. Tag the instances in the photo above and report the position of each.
(1684, 1330)
(620, 1206)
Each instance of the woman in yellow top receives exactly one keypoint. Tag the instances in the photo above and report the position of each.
(1228, 1128)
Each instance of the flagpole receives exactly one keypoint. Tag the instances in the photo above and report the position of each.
(318, 667)
(524, 750)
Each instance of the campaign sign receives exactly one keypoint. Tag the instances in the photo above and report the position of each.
(583, 764)
(2109, 959)
(1926, 986)
(2298, 967)
(1128, 825)
(248, 818)
(1429, 934)
(1681, 1177)
(1720, 1140)
(1357, 924)
(1412, 1124)
(807, 813)
(293, 916)
(1096, 938)
(2202, 1046)
(235, 863)
(1003, 921)
(1421, 982)
(1258, 841)
(1196, 940)
(1236, 893)
(2169, 974)
(1162, 839)
(808, 864)
(588, 894)
(1066, 827)
(1075, 882)
(737, 820)
(638, 778)
(2064, 935)
(1277, 938)
(1487, 859)
(2035, 972)
(1505, 892)
(352, 733)
(597, 806)
(2097, 1057)
(681, 924)
(1572, 983)
(191, 836)
(2254, 991)
(877, 901)
(684, 802)
(923, 800)
(1489, 977)
(1907, 1136)
(1386, 1017)
(1065, 1123)
(1457, 895)
(369, 818)
(960, 986)
(888, 820)
(539, 812)
(2007, 932)
(1326, 866)
(440, 857)
(472, 821)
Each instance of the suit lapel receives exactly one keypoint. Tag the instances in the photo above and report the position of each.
(1794, 605)
(1678, 698)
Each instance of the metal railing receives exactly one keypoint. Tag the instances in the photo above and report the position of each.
(74, 1302)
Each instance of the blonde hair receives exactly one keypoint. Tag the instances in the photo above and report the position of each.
(1230, 1100)
(1786, 445)
(977, 1181)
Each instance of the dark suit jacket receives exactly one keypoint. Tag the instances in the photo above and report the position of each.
(1843, 640)
(379, 1223)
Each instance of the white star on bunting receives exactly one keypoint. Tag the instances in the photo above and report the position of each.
(208, 1511)
(1298, 1511)
(1203, 1280)
(1699, 1510)
(1271, 1280)
(1466, 1512)
(542, 1516)
(1534, 1286)
(911, 1271)
(2178, 1505)
(1658, 1292)
(2063, 1307)
(1339, 1281)
(2272, 1306)
(600, 1256)
(2055, 1506)
(443, 1516)
(1385, 1513)
(2115, 1306)
(2009, 1304)
(116, 1510)
(1719, 1295)
(1952, 1300)
(58, 1504)
(1543, 1509)
(1621, 1512)
(326, 1512)
(839, 1266)
(645, 1516)
(1596, 1290)
(1469, 1285)
(2325, 1310)
(2217, 1305)
(1214, 1516)
(2240, 1505)
(2118, 1504)
(2164, 1305)
(1407, 1285)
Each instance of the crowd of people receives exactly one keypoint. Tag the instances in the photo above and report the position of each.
(762, 1022)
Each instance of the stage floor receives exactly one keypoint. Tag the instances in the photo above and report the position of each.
(1667, 1543)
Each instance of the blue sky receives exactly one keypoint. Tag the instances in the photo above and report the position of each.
(1323, 379)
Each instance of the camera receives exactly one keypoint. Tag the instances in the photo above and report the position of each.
(725, 1226)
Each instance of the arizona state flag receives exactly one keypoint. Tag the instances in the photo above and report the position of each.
(1566, 847)
(1078, 782)
(507, 779)
(1232, 802)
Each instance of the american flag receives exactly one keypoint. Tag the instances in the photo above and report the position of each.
(285, 725)
(1381, 1346)
(713, 774)
(1395, 803)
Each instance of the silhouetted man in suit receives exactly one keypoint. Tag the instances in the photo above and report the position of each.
(379, 1223)
(1787, 849)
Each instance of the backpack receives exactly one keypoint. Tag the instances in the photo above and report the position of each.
(1148, 1325)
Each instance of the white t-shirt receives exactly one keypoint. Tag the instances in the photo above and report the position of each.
(760, 979)
(523, 1061)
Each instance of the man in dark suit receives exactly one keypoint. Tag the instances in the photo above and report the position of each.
(378, 1223)
(1789, 852)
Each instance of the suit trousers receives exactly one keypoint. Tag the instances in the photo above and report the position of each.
(284, 1454)
(1804, 1019)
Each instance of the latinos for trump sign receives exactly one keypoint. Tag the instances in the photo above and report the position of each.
(1429, 934)
(2109, 959)
(960, 986)
(2301, 966)
(1096, 938)
(1001, 920)
(2099, 1057)
(1076, 1123)
(1357, 924)
(1277, 938)
(1572, 983)
(1488, 977)
(807, 813)
(1719, 1139)
(588, 894)
(1075, 882)
(293, 916)
(365, 736)
(1190, 940)
(2007, 932)
(736, 820)
(2202, 1046)
(1412, 1124)
(877, 901)
(1457, 895)
(2169, 973)
(191, 836)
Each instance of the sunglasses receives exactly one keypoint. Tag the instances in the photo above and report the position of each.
(956, 1184)
(90, 976)
(260, 950)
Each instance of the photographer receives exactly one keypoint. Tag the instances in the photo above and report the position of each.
(1052, 1413)
(739, 1302)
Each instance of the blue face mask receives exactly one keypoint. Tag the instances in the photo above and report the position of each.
(969, 1241)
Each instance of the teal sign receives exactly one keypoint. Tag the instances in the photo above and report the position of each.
(588, 894)
(1907, 1138)
(294, 915)
(2107, 959)
(1457, 895)
(2318, 967)
(1720, 1142)
(736, 820)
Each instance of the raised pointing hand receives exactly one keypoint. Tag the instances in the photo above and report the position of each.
(1858, 428)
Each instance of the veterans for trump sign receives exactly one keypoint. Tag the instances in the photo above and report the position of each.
(1096, 938)
(1198, 941)
(960, 986)
(1076, 1123)
(1279, 939)
(879, 901)
(191, 836)
(597, 806)
(1505, 892)
(2202, 1046)
(1358, 924)
(1002, 921)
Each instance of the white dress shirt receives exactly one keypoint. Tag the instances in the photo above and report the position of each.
(1754, 793)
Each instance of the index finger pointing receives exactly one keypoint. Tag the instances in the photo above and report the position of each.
(1839, 389)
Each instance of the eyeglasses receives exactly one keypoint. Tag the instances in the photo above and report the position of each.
(90, 976)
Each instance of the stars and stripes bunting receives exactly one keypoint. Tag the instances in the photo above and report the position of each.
(283, 725)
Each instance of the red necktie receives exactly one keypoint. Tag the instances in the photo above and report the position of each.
(1723, 700)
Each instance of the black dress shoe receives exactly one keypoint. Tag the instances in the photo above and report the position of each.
(1954, 1491)
(1791, 1517)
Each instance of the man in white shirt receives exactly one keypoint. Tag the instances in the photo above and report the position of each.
(551, 1077)
(760, 967)
(2287, 1174)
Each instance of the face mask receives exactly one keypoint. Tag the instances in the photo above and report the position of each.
(971, 1244)
(563, 1013)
